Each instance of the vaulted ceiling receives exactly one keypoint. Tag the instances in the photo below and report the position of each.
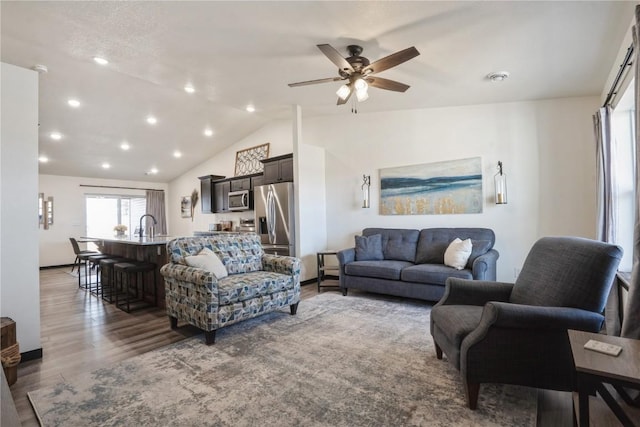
(239, 53)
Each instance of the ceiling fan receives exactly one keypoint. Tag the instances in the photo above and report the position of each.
(360, 72)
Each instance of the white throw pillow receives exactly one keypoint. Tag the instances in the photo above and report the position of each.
(457, 254)
(208, 260)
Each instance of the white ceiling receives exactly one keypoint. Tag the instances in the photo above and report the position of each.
(239, 53)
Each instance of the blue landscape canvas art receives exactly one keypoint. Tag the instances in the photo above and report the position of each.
(450, 187)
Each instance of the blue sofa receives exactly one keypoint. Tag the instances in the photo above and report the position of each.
(413, 262)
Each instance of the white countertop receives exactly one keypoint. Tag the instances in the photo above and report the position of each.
(132, 240)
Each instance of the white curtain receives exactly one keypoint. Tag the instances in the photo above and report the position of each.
(155, 207)
(631, 323)
(607, 205)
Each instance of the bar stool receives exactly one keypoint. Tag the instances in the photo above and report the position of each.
(107, 287)
(93, 262)
(130, 281)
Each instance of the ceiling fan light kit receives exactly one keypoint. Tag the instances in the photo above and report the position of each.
(498, 76)
(359, 71)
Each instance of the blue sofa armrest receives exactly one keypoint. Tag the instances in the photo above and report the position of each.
(474, 292)
(282, 264)
(345, 256)
(484, 266)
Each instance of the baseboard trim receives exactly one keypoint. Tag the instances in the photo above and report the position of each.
(31, 355)
(56, 266)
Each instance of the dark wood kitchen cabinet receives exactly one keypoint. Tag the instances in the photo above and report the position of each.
(278, 169)
(206, 192)
(240, 184)
(221, 196)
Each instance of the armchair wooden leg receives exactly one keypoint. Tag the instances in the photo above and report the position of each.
(472, 390)
(210, 337)
(438, 351)
(344, 291)
(173, 322)
(293, 308)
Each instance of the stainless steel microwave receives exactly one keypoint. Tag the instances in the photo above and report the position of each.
(239, 200)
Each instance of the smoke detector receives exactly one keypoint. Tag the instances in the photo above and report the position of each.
(41, 69)
(498, 76)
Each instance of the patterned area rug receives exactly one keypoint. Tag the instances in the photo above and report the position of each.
(341, 361)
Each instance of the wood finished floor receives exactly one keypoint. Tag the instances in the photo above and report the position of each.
(80, 333)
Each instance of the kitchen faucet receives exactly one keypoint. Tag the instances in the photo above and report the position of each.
(142, 229)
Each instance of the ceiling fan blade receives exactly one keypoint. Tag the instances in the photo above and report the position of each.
(313, 82)
(392, 60)
(344, 101)
(387, 84)
(335, 57)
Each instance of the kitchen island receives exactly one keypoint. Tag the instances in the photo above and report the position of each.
(148, 249)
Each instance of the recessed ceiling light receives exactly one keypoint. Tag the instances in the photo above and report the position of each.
(106, 165)
(125, 145)
(189, 89)
(56, 135)
(152, 120)
(153, 171)
(251, 108)
(208, 132)
(177, 154)
(43, 159)
(498, 76)
(73, 103)
(100, 60)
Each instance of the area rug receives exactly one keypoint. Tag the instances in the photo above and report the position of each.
(341, 361)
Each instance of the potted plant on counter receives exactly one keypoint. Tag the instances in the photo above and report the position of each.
(120, 229)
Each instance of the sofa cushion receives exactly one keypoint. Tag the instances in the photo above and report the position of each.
(433, 242)
(385, 269)
(397, 244)
(434, 274)
(457, 254)
(207, 260)
(369, 248)
(242, 287)
(240, 253)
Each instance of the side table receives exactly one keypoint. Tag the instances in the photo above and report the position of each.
(593, 369)
(323, 268)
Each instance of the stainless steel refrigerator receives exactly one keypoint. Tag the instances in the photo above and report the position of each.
(275, 217)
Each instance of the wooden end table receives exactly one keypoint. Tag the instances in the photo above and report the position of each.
(323, 268)
(593, 369)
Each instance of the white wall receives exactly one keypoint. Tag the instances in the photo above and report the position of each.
(277, 134)
(19, 278)
(546, 148)
(69, 215)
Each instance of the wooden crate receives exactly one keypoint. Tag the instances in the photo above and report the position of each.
(8, 339)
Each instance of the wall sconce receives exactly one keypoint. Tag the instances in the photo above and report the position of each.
(501, 186)
(45, 211)
(366, 184)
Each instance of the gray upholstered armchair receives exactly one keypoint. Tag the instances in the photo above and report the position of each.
(517, 333)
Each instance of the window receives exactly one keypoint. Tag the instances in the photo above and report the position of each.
(623, 130)
(103, 212)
